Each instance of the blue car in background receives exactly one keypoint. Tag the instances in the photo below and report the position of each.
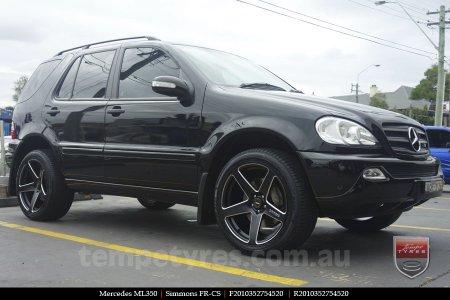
(439, 139)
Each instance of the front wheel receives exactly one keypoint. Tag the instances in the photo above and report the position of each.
(369, 224)
(263, 202)
(40, 187)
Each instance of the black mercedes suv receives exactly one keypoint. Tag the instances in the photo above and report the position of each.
(170, 123)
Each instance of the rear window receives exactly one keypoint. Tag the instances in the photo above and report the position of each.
(37, 79)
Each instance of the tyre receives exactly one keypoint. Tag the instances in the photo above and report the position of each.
(369, 224)
(263, 201)
(154, 204)
(42, 192)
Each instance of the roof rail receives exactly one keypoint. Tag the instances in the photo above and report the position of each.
(150, 38)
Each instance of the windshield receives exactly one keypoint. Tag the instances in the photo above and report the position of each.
(232, 70)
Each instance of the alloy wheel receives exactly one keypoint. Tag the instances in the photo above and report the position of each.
(33, 186)
(253, 204)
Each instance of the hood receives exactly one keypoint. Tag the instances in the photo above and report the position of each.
(328, 106)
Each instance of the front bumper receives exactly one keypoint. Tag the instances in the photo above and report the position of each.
(342, 192)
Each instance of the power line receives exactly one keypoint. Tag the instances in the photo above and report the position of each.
(335, 30)
(380, 10)
(343, 27)
(414, 7)
(400, 12)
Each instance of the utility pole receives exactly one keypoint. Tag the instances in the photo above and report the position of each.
(355, 90)
(441, 70)
(439, 48)
(357, 81)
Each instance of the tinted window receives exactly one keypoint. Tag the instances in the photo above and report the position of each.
(65, 91)
(93, 75)
(438, 138)
(139, 67)
(38, 78)
(434, 137)
(445, 138)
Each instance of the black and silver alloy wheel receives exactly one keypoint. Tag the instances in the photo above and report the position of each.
(262, 201)
(42, 192)
(253, 204)
(32, 186)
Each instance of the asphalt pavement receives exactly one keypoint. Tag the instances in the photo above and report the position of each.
(116, 242)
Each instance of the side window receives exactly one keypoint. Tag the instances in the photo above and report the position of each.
(93, 75)
(37, 79)
(434, 137)
(445, 138)
(65, 91)
(139, 67)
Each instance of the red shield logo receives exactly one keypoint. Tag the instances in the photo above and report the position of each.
(411, 255)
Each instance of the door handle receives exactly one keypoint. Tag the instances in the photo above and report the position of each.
(53, 111)
(115, 111)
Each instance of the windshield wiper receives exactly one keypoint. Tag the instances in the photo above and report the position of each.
(261, 86)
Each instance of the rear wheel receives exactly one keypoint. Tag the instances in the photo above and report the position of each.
(41, 189)
(263, 202)
(369, 224)
(154, 204)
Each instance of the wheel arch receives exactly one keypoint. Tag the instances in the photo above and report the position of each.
(225, 144)
(27, 144)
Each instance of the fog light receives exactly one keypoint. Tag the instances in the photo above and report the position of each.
(373, 174)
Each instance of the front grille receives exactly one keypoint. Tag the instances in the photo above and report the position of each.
(411, 170)
(397, 135)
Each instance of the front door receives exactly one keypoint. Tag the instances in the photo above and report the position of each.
(148, 135)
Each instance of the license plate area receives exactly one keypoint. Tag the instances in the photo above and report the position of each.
(434, 186)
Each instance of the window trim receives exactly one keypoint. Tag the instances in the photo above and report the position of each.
(116, 88)
(74, 59)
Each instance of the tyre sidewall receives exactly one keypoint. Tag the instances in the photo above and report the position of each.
(291, 194)
(58, 199)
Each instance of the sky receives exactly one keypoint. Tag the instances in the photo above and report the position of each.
(313, 59)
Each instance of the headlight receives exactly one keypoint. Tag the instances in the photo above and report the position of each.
(341, 131)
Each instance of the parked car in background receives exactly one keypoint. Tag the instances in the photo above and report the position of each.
(7, 140)
(439, 139)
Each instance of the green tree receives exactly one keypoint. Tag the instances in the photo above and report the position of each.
(421, 115)
(19, 84)
(379, 101)
(426, 89)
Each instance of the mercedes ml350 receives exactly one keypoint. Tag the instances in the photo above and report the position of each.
(168, 123)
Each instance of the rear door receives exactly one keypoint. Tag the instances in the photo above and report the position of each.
(149, 136)
(76, 115)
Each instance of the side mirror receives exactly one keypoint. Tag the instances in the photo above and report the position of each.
(175, 87)
(447, 145)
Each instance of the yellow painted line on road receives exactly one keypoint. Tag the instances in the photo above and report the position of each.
(421, 228)
(431, 208)
(446, 198)
(404, 226)
(161, 256)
